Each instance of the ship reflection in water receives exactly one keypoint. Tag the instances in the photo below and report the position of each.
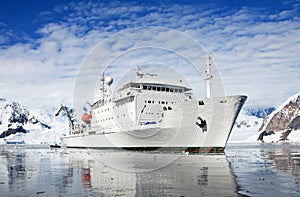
(82, 172)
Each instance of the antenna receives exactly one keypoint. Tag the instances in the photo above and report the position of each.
(207, 76)
(151, 75)
(139, 72)
(102, 79)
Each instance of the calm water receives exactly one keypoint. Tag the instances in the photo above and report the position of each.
(266, 169)
(252, 170)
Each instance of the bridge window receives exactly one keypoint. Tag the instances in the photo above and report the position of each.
(163, 89)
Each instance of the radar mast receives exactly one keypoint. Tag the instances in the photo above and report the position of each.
(207, 77)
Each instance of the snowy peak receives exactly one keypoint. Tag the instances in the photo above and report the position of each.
(31, 126)
(18, 114)
(14, 118)
(283, 124)
(286, 116)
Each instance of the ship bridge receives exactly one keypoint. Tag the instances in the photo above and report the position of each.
(154, 86)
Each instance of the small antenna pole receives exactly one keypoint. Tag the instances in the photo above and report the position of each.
(139, 72)
(102, 79)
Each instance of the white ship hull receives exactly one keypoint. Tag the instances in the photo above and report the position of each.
(178, 131)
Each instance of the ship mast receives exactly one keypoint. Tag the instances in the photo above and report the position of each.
(207, 77)
(102, 79)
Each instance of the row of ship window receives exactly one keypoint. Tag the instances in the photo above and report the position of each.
(159, 102)
(163, 89)
(110, 118)
(151, 113)
(106, 119)
(103, 110)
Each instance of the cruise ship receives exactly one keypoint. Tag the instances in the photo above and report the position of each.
(151, 114)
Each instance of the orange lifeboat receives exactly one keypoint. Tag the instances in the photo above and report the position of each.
(87, 118)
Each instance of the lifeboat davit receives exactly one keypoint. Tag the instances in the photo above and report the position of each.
(87, 118)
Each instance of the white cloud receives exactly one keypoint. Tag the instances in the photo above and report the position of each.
(256, 51)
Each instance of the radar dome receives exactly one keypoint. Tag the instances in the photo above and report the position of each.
(108, 80)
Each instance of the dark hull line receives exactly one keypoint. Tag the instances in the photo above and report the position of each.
(55, 146)
(216, 150)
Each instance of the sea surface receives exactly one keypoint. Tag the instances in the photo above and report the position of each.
(265, 169)
(244, 170)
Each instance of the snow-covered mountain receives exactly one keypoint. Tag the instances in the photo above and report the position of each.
(18, 124)
(269, 125)
(283, 116)
(283, 123)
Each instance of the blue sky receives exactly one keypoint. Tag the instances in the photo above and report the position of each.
(255, 44)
